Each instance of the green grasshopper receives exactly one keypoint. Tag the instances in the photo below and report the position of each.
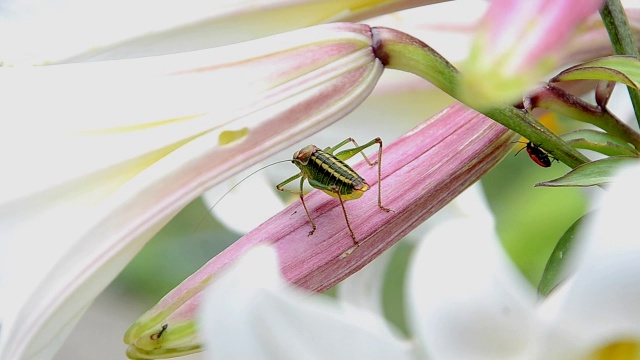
(329, 173)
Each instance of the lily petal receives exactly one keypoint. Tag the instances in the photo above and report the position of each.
(466, 299)
(364, 288)
(251, 313)
(243, 20)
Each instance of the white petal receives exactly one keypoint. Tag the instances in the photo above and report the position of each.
(250, 313)
(601, 302)
(465, 298)
(35, 32)
(364, 291)
(364, 288)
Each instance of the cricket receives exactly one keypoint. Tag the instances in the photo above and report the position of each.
(327, 171)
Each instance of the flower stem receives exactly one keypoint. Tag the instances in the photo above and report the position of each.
(617, 24)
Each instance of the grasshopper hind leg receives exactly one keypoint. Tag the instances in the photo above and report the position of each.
(313, 224)
(304, 205)
(346, 217)
(356, 244)
(347, 154)
(281, 187)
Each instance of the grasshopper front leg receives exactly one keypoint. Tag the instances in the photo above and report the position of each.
(301, 194)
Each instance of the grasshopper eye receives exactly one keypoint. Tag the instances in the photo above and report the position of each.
(303, 155)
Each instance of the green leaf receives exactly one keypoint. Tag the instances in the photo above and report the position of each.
(597, 172)
(622, 69)
(552, 274)
(600, 142)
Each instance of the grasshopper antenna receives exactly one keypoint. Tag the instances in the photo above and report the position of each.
(233, 187)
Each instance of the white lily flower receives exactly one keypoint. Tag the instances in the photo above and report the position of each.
(461, 286)
(106, 152)
(88, 182)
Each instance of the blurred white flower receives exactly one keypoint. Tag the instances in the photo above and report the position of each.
(251, 313)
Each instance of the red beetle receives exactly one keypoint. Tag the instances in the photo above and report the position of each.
(538, 155)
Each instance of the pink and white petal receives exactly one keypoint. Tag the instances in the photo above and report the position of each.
(87, 223)
(600, 303)
(251, 313)
(395, 105)
(81, 243)
(465, 299)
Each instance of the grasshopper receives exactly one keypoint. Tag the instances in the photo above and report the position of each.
(328, 172)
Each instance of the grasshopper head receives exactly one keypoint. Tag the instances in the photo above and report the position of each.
(303, 155)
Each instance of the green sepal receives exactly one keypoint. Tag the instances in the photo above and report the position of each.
(619, 68)
(598, 172)
(600, 142)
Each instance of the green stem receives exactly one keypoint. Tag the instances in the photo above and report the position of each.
(615, 20)
(400, 51)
